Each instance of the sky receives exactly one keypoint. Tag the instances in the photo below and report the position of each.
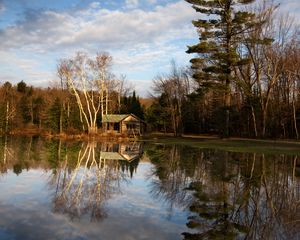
(143, 36)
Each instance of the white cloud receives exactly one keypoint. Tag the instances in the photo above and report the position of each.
(95, 5)
(14, 68)
(103, 28)
(143, 87)
(141, 42)
(131, 3)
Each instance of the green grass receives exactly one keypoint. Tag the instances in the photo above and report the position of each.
(235, 145)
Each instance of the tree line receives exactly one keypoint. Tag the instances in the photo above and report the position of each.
(87, 90)
(244, 75)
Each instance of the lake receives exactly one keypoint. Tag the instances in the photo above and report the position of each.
(53, 189)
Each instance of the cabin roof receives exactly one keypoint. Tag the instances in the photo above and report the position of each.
(114, 118)
(112, 156)
(118, 156)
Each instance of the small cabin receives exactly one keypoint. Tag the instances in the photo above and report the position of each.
(125, 124)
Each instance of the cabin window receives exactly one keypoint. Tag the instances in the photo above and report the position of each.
(130, 126)
(117, 127)
(116, 147)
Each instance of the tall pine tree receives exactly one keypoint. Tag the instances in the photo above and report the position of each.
(220, 33)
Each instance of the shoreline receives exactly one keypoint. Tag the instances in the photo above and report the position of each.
(146, 137)
(233, 144)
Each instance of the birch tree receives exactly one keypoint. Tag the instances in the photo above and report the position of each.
(88, 80)
(9, 109)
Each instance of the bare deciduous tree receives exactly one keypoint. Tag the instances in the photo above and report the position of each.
(175, 86)
(90, 81)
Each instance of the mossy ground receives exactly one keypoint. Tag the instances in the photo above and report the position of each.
(233, 144)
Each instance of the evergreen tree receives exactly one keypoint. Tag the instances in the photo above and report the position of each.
(157, 115)
(135, 106)
(38, 110)
(54, 112)
(21, 87)
(132, 105)
(25, 109)
(220, 35)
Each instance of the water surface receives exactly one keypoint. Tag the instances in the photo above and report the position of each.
(91, 190)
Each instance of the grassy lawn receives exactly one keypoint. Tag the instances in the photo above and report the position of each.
(234, 145)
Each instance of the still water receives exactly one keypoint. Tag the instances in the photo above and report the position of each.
(51, 189)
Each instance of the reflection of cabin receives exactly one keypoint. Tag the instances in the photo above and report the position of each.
(127, 124)
(121, 151)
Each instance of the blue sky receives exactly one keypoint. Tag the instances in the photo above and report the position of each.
(141, 35)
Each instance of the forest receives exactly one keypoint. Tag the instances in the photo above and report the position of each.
(244, 81)
(29, 110)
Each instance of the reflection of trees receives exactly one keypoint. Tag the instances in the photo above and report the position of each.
(276, 199)
(5, 153)
(171, 175)
(20, 153)
(260, 194)
(234, 195)
(83, 179)
(84, 186)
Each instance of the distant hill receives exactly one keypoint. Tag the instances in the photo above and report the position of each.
(146, 102)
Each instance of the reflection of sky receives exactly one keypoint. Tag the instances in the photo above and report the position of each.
(25, 209)
(22, 189)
